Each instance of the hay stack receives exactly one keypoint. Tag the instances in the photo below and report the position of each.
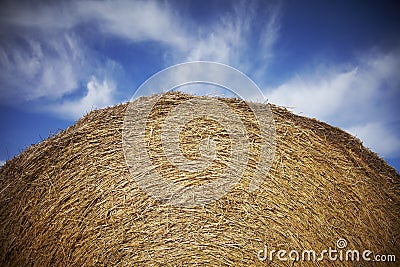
(71, 201)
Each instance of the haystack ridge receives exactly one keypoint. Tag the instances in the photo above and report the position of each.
(71, 200)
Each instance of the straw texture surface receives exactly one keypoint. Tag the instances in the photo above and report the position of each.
(71, 200)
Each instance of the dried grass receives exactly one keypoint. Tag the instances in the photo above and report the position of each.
(70, 200)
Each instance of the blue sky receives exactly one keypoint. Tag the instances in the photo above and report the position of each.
(337, 61)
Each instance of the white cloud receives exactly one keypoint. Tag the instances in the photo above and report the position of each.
(34, 68)
(239, 38)
(361, 98)
(220, 41)
(2, 162)
(136, 20)
(269, 35)
(318, 97)
(98, 95)
(326, 93)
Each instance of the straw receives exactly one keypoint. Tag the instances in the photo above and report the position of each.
(70, 200)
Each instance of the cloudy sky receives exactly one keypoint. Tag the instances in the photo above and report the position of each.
(337, 61)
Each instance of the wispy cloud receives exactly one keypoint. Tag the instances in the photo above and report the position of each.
(239, 38)
(360, 98)
(40, 68)
(316, 95)
(136, 21)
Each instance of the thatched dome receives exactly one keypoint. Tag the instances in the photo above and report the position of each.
(71, 200)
